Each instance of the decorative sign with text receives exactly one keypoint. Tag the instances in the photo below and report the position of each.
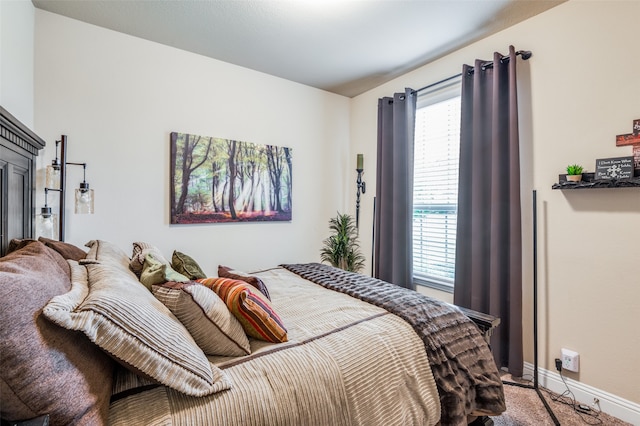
(614, 168)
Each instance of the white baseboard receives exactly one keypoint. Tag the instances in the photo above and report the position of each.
(609, 403)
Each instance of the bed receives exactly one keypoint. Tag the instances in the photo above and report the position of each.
(95, 339)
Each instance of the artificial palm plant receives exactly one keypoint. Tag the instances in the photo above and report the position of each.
(342, 249)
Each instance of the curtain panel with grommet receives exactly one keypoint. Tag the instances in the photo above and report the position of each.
(488, 275)
(394, 189)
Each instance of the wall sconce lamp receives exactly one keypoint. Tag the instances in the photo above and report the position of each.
(49, 225)
(362, 187)
(47, 221)
(84, 195)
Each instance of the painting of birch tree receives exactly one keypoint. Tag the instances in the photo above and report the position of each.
(217, 180)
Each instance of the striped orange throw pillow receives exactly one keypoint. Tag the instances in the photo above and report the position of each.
(250, 307)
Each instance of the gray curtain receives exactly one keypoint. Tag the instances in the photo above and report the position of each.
(488, 274)
(394, 189)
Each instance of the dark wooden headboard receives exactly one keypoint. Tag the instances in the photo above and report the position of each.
(19, 148)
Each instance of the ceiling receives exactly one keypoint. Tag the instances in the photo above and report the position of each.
(342, 46)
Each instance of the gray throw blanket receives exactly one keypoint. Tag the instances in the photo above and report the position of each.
(463, 367)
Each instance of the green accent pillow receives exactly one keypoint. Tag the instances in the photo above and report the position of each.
(155, 272)
(140, 250)
(185, 265)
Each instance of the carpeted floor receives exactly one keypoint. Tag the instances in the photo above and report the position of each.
(524, 408)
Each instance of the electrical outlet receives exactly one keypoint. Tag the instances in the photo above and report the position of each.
(570, 360)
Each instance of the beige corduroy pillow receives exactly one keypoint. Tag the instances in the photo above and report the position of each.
(109, 305)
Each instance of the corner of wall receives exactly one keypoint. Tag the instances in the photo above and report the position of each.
(17, 25)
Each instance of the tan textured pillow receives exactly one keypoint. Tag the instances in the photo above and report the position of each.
(140, 251)
(104, 251)
(205, 315)
(37, 355)
(116, 312)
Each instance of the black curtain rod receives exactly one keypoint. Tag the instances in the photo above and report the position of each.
(436, 83)
(526, 54)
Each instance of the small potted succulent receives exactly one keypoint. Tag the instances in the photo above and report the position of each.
(574, 173)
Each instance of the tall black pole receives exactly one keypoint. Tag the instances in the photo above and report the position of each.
(535, 290)
(535, 386)
(373, 240)
(63, 184)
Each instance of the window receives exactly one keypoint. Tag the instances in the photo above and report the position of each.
(435, 191)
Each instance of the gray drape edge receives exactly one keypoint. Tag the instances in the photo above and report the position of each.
(393, 260)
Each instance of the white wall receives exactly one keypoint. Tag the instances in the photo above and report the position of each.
(16, 58)
(581, 88)
(117, 98)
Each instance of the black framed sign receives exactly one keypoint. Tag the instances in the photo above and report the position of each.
(614, 168)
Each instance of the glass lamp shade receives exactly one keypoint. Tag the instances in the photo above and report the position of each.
(47, 224)
(53, 176)
(84, 199)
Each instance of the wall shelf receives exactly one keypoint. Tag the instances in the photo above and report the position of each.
(602, 183)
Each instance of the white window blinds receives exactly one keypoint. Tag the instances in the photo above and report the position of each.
(435, 192)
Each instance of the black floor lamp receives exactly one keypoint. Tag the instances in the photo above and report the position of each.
(536, 386)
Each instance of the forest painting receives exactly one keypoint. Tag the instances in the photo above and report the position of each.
(217, 180)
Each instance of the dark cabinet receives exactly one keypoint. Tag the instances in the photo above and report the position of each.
(19, 147)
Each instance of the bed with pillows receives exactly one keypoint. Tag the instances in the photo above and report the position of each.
(105, 335)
